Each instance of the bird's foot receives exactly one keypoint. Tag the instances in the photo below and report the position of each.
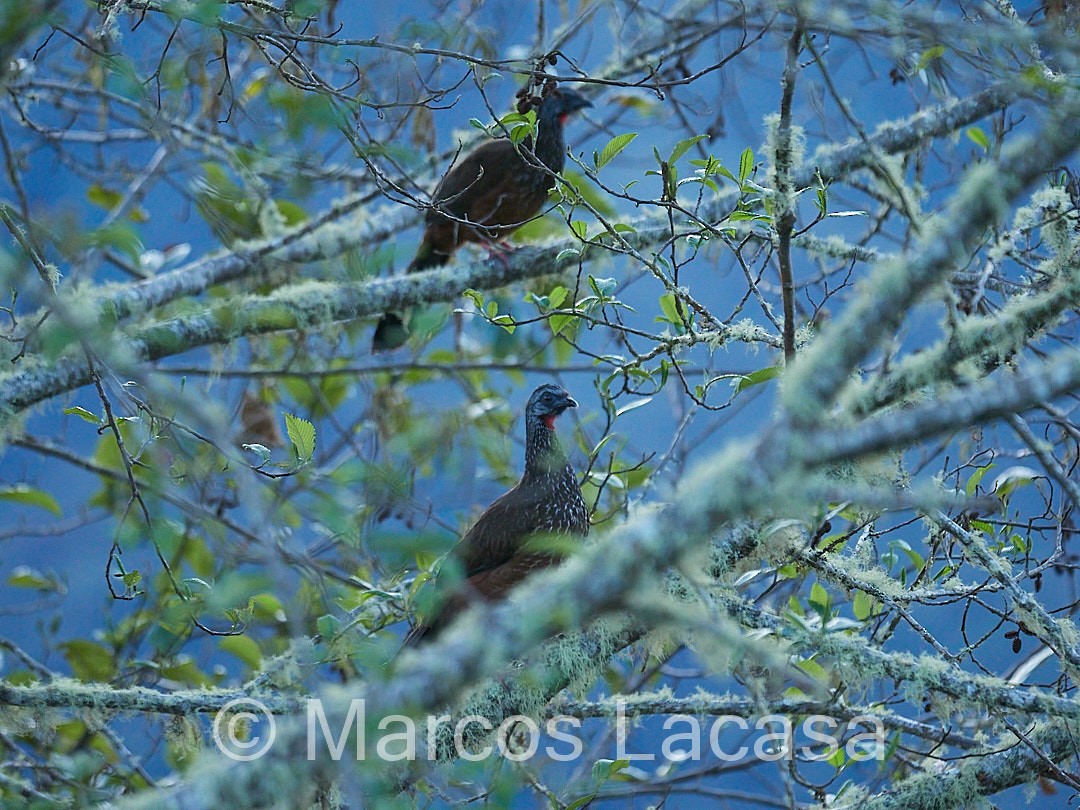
(500, 250)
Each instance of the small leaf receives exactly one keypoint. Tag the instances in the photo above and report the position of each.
(928, 56)
(559, 322)
(756, 378)
(30, 496)
(976, 477)
(506, 322)
(1013, 478)
(746, 163)
(682, 146)
(302, 435)
(83, 414)
(603, 286)
(604, 769)
(822, 200)
(977, 136)
(863, 606)
(670, 307)
(102, 197)
(262, 450)
(89, 661)
(819, 598)
(243, 647)
(613, 148)
(327, 625)
(813, 669)
(632, 405)
(26, 577)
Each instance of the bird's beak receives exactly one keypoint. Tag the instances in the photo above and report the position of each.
(570, 402)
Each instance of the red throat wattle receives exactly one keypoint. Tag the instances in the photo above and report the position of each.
(549, 421)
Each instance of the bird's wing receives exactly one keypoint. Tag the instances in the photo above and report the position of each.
(476, 187)
(499, 533)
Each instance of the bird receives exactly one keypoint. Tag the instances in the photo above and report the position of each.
(495, 189)
(495, 554)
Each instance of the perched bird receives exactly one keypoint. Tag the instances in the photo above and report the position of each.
(495, 554)
(494, 190)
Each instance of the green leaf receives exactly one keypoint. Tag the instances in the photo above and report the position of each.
(746, 163)
(327, 625)
(745, 381)
(102, 197)
(822, 200)
(863, 606)
(560, 321)
(819, 598)
(745, 216)
(604, 769)
(632, 405)
(682, 146)
(976, 477)
(603, 287)
(557, 296)
(813, 669)
(976, 135)
(262, 450)
(505, 322)
(1013, 478)
(82, 413)
(476, 297)
(243, 647)
(670, 307)
(302, 435)
(30, 496)
(89, 661)
(613, 148)
(26, 577)
(928, 56)
(118, 235)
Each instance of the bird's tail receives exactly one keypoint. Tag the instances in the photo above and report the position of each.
(391, 333)
(427, 257)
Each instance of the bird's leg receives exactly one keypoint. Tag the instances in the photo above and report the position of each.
(499, 249)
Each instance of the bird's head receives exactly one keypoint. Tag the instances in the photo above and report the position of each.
(562, 103)
(547, 402)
